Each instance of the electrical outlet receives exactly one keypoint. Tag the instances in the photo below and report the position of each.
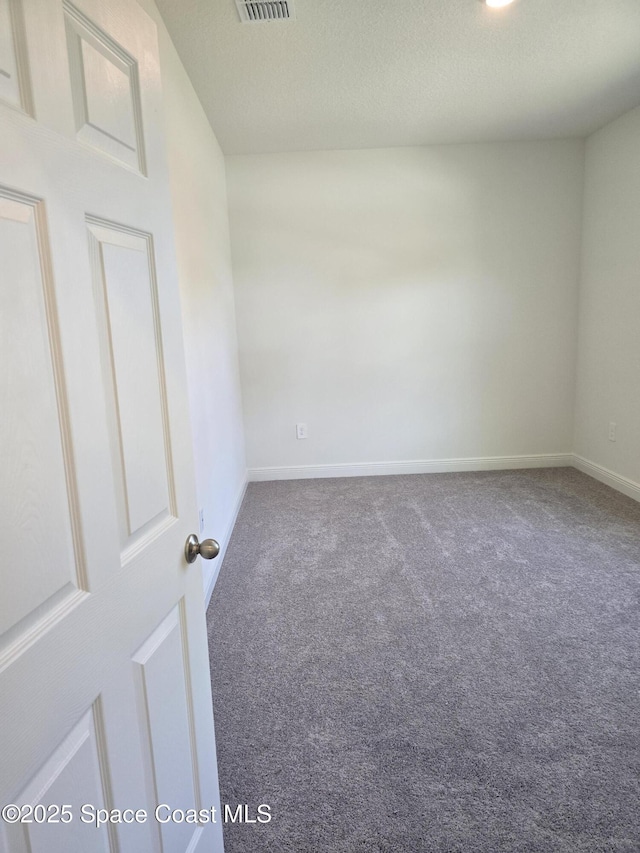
(612, 431)
(302, 431)
(201, 520)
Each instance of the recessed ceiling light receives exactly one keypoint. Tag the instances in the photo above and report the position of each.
(497, 3)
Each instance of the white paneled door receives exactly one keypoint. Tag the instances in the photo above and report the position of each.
(105, 699)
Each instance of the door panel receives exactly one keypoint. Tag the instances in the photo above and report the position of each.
(127, 301)
(104, 698)
(164, 683)
(14, 88)
(74, 775)
(105, 90)
(38, 498)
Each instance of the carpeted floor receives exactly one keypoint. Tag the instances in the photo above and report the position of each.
(440, 662)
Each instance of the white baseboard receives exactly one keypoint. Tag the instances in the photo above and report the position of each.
(610, 478)
(420, 466)
(223, 539)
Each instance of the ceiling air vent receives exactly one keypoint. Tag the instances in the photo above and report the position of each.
(257, 11)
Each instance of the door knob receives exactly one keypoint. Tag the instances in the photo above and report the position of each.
(208, 548)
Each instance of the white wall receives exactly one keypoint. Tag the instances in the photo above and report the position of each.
(199, 196)
(408, 304)
(608, 387)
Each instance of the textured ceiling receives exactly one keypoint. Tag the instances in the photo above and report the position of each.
(378, 73)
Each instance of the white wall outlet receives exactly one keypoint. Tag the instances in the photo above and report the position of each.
(612, 431)
(302, 431)
(201, 520)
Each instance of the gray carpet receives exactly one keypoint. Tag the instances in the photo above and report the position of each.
(441, 662)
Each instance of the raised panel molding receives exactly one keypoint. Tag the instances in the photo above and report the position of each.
(15, 86)
(106, 91)
(40, 519)
(133, 366)
(165, 698)
(75, 774)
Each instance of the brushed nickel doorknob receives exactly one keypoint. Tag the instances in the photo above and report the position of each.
(208, 548)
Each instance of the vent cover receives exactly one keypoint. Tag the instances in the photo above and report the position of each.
(257, 11)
